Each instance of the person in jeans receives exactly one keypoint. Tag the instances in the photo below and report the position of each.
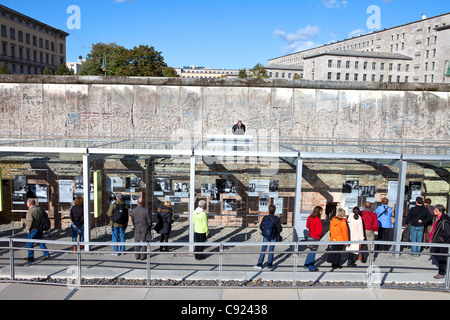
(118, 229)
(278, 228)
(33, 224)
(417, 218)
(77, 218)
(315, 227)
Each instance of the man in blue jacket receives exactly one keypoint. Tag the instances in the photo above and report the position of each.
(384, 214)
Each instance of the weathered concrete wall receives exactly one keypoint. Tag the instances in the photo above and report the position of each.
(136, 106)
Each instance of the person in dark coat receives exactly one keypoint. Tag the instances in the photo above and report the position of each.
(142, 222)
(77, 218)
(440, 233)
(164, 225)
(418, 217)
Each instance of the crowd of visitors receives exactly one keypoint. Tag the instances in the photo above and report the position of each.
(424, 222)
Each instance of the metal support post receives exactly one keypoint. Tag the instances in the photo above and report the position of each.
(86, 200)
(191, 203)
(298, 200)
(399, 207)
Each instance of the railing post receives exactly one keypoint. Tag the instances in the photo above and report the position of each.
(78, 263)
(371, 259)
(447, 273)
(11, 260)
(220, 264)
(149, 248)
(294, 277)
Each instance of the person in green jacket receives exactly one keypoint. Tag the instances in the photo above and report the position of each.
(119, 222)
(201, 230)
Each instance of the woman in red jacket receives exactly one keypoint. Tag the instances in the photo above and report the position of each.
(314, 225)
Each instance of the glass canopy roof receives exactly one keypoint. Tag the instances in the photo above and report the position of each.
(229, 146)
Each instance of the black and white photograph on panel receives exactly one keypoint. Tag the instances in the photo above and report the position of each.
(350, 186)
(226, 186)
(229, 205)
(163, 185)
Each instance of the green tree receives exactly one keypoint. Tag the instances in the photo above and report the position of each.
(142, 61)
(64, 70)
(258, 72)
(243, 73)
(4, 69)
(47, 71)
(170, 73)
(297, 77)
(92, 65)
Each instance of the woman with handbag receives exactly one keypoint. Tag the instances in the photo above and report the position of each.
(164, 225)
(315, 227)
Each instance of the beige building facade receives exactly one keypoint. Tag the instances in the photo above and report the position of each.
(29, 46)
(197, 72)
(415, 52)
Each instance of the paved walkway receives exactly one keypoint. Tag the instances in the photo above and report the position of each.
(178, 265)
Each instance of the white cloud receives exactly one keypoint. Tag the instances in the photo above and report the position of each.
(357, 33)
(298, 41)
(334, 4)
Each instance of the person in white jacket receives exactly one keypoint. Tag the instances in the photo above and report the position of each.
(356, 231)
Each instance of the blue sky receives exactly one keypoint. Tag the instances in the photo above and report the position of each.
(220, 34)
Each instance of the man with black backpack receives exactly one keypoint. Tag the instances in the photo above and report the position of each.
(271, 231)
(118, 212)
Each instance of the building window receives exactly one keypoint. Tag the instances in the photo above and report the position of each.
(399, 67)
(373, 78)
(391, 65)
(382, 66)
(329, 75)
(365, 65)
(20, 36)
(374, 66)
(338, 76)
(339, 63)
(12, 32)
(4, 33)
(347, 76)
(398, 78)
(406, 79)
(381, 78)
(356, 77)
(27, 38)
(364, 77)
(347, 64)
(356, 64)
(330, 63)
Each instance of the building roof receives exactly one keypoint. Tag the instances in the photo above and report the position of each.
(364, 35)
(283, 67)
(361, 54)
(20, 15)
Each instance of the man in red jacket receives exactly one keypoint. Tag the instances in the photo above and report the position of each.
(370, 221)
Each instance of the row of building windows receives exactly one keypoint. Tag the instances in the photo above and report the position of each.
(12, 35)
(365, 65)
(27, 54)
(373, 78)
(21, 69)
(283, 75)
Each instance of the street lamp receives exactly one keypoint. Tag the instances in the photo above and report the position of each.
(104, 67)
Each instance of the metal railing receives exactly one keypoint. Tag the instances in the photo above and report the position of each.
(297, 248)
